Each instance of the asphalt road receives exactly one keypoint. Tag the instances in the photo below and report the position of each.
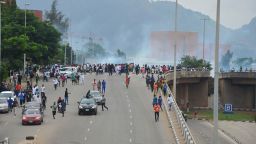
(203, 133)
(130, 118)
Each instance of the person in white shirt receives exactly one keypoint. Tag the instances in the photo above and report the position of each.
(42, 89)
(81, 79)
(170, 101)
(55, 83)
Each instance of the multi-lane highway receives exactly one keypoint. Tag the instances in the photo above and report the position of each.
(130, 118)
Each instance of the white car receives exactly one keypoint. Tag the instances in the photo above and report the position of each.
(3, 105)
(7, 94)
(67, 71)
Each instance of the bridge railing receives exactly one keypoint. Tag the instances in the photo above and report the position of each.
(4, 141)
(182, 123)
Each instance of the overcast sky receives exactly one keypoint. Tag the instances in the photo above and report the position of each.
(234, 13)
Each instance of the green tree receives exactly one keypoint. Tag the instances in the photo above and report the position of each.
(193, 62)
(40, 41)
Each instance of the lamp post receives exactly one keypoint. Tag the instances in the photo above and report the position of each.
(204, 20)
(25, 22)
(216, 76)
(1, 2)
(175, 48)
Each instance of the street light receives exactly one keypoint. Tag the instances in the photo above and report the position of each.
(175, 47)
(204, 20)
(1, 2)
(25, 19)
(216, 76)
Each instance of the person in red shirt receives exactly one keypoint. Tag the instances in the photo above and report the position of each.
(156, 110)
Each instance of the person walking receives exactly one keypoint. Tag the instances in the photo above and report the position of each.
(99, 85)
(14, 105)
(63, 107)
(42, 90)
(156, 110)
(55, 83)
(154, 100)
(21, 97)
(103, 86)
(170, 101)
(10, 104)
(66, 96)
(103, 103)
(160, 102)
(44, 99)
(54, 107)
(94, 84)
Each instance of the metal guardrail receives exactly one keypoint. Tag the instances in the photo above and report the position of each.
(5, 141)
(170, 121)
(183, 125)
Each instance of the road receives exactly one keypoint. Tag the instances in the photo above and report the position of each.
(202, 132)
(130, 118)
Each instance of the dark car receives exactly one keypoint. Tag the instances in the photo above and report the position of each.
(32, 116)
(87, 106)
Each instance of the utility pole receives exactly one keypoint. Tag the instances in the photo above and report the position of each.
(175, 47)
(204, 20)
(216, 76)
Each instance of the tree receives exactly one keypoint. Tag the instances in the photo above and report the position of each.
(95, 50)
(40, 41)
(225, 60)
(245, 62)
(57, 19)
(120, 53)
(193, 62)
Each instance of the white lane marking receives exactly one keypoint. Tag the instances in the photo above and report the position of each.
(130, 116)
(130, 140)
(88, 129)
(130, 123)
(130, 131)
(85, 138)
(130, 110)
(129, 105)
(90, 121)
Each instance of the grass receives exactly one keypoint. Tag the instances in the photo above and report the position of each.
(236, 116)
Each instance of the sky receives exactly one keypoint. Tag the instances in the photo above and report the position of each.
(234, 13)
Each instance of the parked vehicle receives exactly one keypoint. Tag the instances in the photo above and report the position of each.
(7, 94)
(3, 105)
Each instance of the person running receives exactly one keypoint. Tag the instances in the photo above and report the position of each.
(54, 107)
(103, 86)
(103, 103)
(170, 101)
(156, 110)
(99, 85)
(66, 96)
